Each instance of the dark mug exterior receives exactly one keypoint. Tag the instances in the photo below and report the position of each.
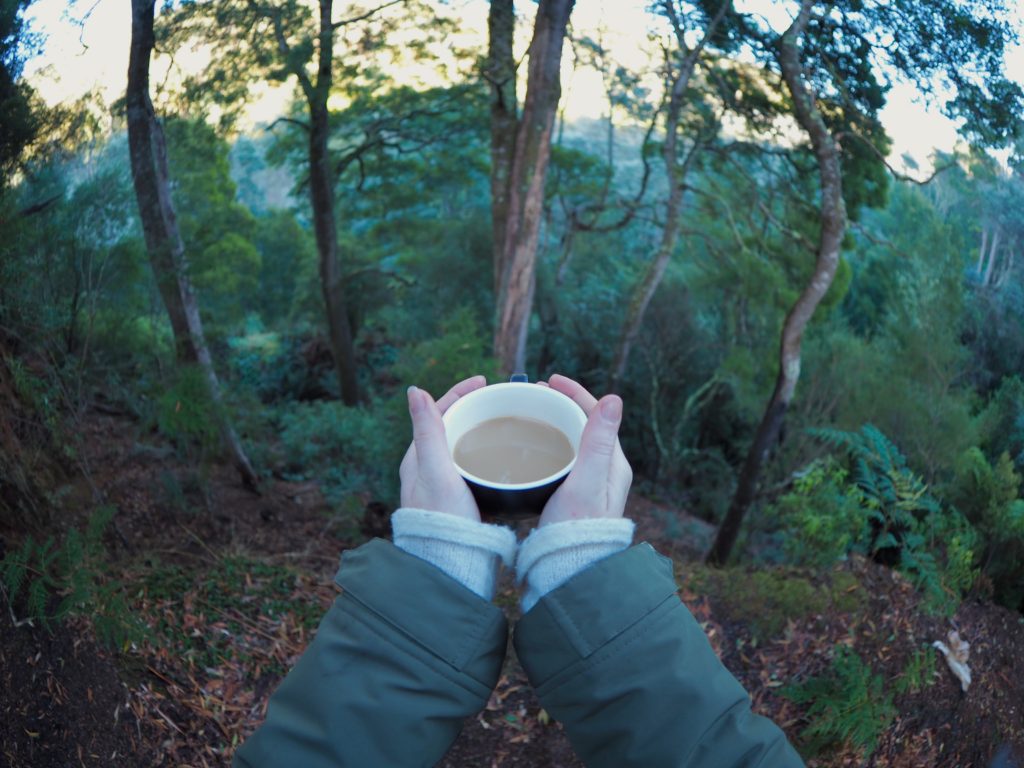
(512, 505)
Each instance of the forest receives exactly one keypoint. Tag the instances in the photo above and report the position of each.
(209, 321)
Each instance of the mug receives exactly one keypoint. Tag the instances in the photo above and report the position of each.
(517, 398)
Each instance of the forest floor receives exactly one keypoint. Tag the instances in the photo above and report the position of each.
(231, 586)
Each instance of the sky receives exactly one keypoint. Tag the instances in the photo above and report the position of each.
(81, 57)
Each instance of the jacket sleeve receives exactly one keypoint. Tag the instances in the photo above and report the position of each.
(616, 657)
(402, 657)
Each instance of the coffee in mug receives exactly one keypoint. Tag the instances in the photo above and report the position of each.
(513, 449)
(513, 444)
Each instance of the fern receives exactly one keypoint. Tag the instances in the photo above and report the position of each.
(848, 705)
(37, 573)
(935, 548)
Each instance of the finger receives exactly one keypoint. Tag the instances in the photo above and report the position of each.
(599, 441)
(464, 387)
(542, 383)
(574, 390)
(432, 457)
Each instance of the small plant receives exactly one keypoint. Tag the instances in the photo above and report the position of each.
(57, 582)
(185, 414)
(919, 673)
(848, 705)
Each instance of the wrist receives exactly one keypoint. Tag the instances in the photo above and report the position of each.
(469, 551)
(554, 553)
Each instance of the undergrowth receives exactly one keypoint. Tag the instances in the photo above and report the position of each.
(50, 582)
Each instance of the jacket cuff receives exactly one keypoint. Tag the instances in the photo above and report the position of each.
(553, 554)
(580, 614)
(466, 550)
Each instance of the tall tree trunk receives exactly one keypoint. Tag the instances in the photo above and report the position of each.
(675, 174)
(321, 187)
(148, 155)
(321, 195)
(833, 226)
(518, 176)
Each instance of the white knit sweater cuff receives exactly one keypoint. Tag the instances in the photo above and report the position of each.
(553, 554)
(466, 550)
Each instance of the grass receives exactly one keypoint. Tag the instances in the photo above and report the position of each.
(766, 600)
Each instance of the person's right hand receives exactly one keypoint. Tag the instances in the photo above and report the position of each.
(599, 482)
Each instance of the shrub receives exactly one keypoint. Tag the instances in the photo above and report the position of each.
(347, 449)
(848, 705)
(71, 580)
(766, 600)
(185, 413)
(906, 526)
(825, 520)
(988, 496)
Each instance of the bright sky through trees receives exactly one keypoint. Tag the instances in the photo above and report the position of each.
(77, 58)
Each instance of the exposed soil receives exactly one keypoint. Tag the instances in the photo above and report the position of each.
(210, 570)
(62, 701)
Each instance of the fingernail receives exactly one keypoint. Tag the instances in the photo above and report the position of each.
(611, 409)
(414, 400)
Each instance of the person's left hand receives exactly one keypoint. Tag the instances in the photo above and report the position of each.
(429, 478)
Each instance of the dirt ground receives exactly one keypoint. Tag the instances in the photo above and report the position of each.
(234, 584)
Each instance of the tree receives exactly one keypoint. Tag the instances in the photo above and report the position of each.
(825, 61)
(294, 41)
(148, 155)
(680, 64)
(18, 120)
(520, 152)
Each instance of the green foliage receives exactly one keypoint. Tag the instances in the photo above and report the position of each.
(848, 705)
(919, 673)
(823, 519)
(988, 496)
(880, 508)
(72, 580)
(766, 600)
(459, 351)
(347, 449)
(185, 413)
(236, 591)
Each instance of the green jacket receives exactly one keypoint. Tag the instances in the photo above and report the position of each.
(407, 653)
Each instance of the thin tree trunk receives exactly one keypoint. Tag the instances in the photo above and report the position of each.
(993, 254)
(981, 253)
(525, 171)
(148, 155)
(833, 226)
(675, 173)
(321, 195)
(321, 190)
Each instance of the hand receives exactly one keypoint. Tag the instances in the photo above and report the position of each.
(599, 482)
(429, 478)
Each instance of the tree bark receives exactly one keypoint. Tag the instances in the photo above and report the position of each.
(993, 254)
(518, 176)
(321, 194)
(832, 229)
(675, 173)
(148, 156)
(321, 188)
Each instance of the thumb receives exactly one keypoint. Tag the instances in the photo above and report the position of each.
(597, 445)
(428, 432)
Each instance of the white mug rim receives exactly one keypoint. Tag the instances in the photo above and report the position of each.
(490, 389)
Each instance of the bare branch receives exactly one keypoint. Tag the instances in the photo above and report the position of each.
(301, 123)
(898, 174)
(364, 16)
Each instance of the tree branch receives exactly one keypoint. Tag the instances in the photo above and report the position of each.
(364, 16)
